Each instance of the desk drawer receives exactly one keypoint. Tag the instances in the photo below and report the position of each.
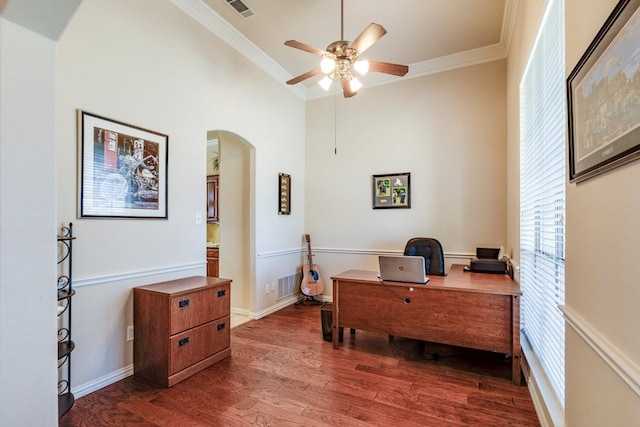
(192, 346)
(467, 319)
(197, 308)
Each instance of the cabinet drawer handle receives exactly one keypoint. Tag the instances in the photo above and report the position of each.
(184, 303)
(222, 293)
(221, 326)
(183, 341)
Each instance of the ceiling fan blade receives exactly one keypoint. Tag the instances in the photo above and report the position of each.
(388, 68)
(369, 36)
(305, 47)
(346, 89)
(304, 76)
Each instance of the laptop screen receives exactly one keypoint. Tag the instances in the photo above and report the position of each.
(403, 268)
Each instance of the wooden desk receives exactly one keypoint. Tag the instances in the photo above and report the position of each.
(465, 309)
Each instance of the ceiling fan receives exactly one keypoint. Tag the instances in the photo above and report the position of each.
(341, 57)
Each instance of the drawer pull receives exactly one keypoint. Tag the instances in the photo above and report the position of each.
(221, 326)
(184, 303)
(222, 293)
(183, 341)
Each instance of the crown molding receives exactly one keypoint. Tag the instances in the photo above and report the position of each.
(431, 66)
(508, 22)
(211, 20)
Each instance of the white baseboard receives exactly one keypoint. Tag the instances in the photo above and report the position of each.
(127, 371)
(285, 302)
(98, 383)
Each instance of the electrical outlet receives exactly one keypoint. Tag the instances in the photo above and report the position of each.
(130, 333)
(266, 288)
(273, 286)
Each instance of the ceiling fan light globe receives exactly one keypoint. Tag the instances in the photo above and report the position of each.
(325, 83)
(355, 84)
(327, 65)
(361, 66)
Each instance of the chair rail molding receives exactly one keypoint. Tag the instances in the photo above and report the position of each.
(357, 251)
(625, 368)
(100, 280)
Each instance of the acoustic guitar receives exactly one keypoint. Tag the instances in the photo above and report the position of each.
(311, 283)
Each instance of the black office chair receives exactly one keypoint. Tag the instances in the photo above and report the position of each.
(431, 250)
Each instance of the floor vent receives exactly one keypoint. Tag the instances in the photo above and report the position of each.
(240, 7)
(287, 285)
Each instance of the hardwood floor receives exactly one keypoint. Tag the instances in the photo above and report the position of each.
(282, 373)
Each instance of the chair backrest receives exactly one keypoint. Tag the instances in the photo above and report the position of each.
(431, 250)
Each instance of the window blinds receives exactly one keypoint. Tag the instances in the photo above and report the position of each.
(542, 196)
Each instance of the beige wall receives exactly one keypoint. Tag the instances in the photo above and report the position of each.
(602, 272)
(149, 64)
(448, 130)
(235, 206)
(602, 347)
(28, 229)
(162, 71)
(527, 20)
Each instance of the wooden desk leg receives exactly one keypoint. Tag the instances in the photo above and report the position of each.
(335, 318)
(516, 375)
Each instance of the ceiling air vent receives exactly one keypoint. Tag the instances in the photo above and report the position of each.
(240, 7)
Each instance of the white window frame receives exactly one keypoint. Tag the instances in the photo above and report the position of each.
(543, 200)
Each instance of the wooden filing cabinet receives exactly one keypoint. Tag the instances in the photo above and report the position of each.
(181, 327)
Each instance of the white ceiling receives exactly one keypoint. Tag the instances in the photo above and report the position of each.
(428, 35)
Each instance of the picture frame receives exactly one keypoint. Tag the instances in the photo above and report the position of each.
(284, 194)
(391, 190)
(603, 97)
(122, 169)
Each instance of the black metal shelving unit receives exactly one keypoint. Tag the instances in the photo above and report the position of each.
(65, 294)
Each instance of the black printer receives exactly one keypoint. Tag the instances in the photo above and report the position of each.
(488, 260)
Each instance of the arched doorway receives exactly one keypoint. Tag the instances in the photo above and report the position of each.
(236, 217)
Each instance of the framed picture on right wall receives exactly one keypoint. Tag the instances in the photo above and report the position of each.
(603, 97)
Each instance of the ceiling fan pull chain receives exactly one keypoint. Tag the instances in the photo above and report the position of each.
(335, 126)
(341, 19)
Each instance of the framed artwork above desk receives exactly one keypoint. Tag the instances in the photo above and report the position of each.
(391, 190)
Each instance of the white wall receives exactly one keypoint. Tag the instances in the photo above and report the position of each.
(448, 130)
(525, 28)
(602, 250)
(28, 248)
(148, 64)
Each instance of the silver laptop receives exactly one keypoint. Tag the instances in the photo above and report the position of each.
(403, 268)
